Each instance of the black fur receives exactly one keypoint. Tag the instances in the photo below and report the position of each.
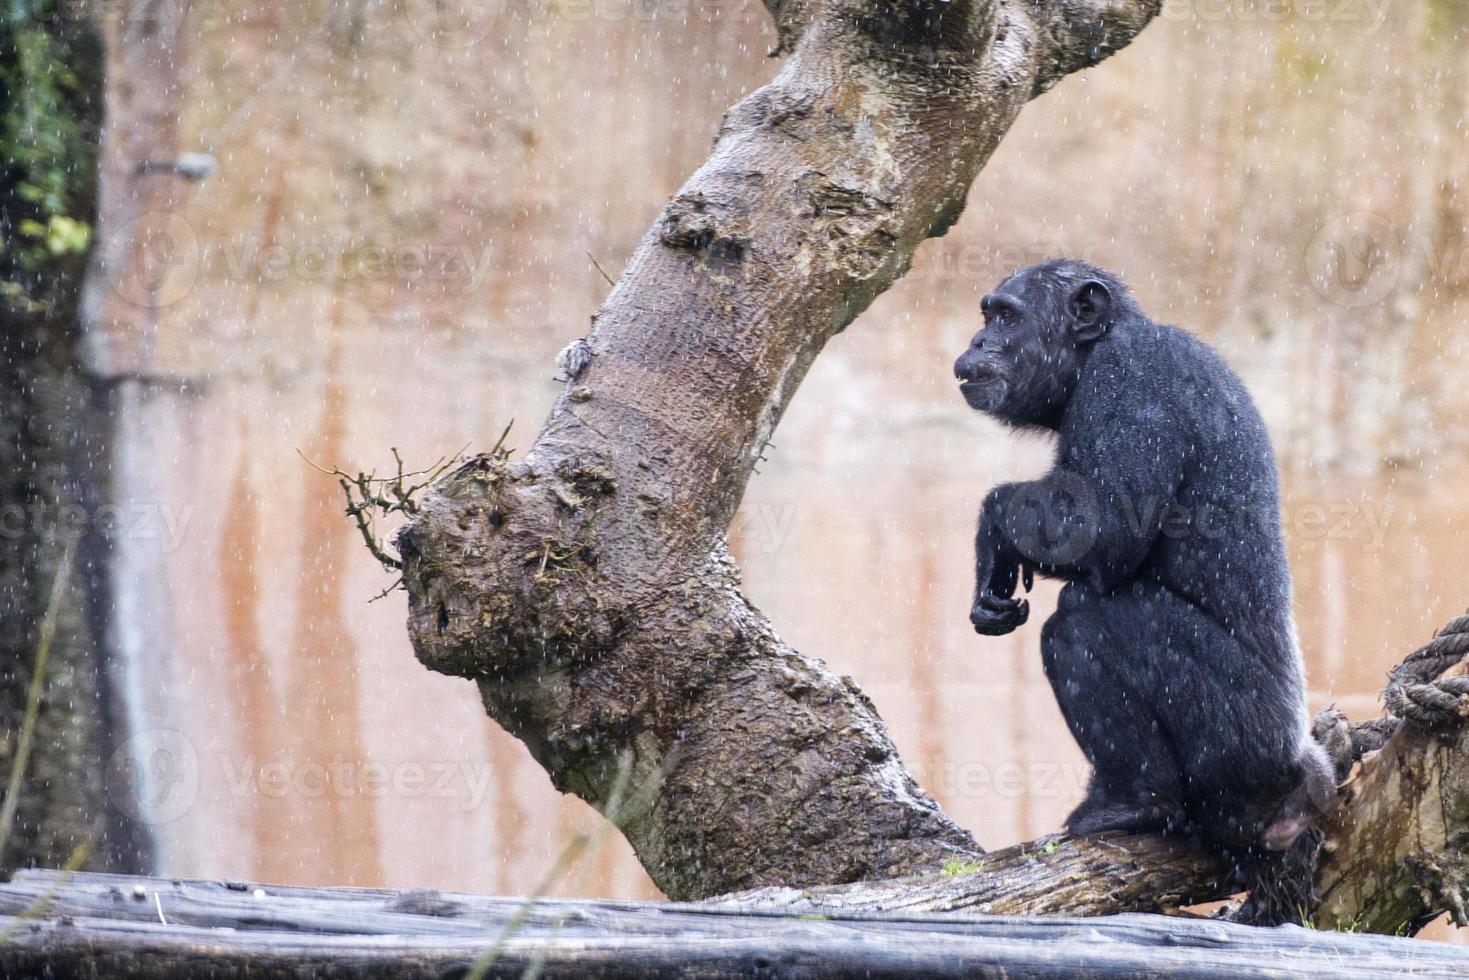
(1172, 652)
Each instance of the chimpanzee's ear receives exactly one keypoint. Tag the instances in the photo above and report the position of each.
(1090, 307)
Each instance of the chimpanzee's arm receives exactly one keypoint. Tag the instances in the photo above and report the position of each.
(1133, 459)
(997, 569)
(1099, 513)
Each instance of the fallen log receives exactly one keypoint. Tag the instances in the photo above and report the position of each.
(117, 926)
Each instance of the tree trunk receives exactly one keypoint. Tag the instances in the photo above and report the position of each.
(588, 587)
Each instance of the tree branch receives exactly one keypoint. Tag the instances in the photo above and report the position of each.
(1392, 859)
(1082, 33)
(1395, 858)
(1054, 875)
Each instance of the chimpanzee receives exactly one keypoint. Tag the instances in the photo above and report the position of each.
(1172, 651)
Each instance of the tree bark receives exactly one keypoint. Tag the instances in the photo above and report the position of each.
(587, 587)
(1395, 854)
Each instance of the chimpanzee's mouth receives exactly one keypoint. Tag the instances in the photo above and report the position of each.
(983, 390)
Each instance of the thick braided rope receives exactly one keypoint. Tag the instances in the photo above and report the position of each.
(1414, 691)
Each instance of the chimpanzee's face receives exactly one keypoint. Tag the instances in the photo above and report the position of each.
(990, 367)
(1022, 366)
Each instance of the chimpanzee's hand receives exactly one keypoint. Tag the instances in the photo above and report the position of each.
(998, 569)
(995, 615)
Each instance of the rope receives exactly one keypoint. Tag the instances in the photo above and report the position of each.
(1414, 690)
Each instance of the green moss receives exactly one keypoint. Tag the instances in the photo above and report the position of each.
(50, 61)
(954, 867)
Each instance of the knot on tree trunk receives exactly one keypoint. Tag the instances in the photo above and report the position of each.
(714, 230)
(485, 561)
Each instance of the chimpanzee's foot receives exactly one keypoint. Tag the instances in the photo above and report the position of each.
(1099, 815)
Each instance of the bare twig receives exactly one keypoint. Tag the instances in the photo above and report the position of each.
(498, 449)
(397, 584)
(370, 496)
(610, 280)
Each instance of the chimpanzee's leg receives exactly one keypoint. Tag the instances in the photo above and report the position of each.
(1233, 718)
(1171, 709)
(1135, 782)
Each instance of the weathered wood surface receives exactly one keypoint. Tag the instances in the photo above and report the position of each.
(94, 925)
(1053, 875)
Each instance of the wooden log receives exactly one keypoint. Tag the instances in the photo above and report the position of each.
(117, 926)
